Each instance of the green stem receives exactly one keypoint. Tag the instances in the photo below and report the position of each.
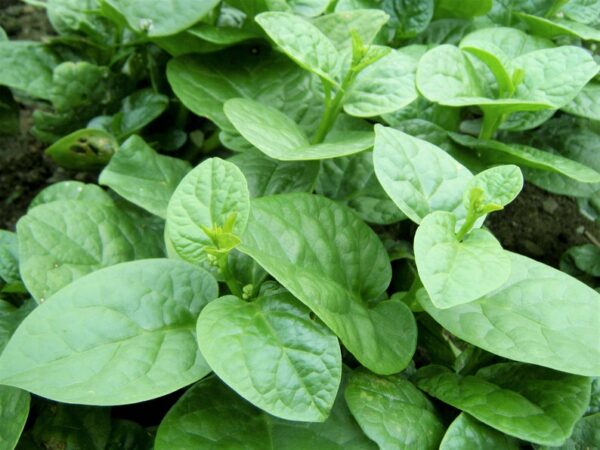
(466, 227)
(332, 108)
(491, 122)
(230, 281)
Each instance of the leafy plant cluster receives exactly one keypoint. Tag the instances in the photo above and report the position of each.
(267, 264)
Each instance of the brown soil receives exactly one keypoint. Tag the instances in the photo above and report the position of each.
(542, 225)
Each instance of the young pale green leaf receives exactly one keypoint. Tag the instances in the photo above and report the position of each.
(120, 335)
(303, 42)
(209, 415)
(278, 358)
(467, 433)
(14, 409)
(86, 149)
(9, 257)
(279, 137)
(393, 412)
(340, 26)
(27, 66)
(551, 28)
(418, 176)
(310, 245)
(528, 320)
(71, 190)
(529, 402)
(162, 18)
(64, 240)
(266, 176)
(529, 157)
(141, 175)
(497, 187)
(455, 272)
(352, 181)
(586, 435)
(587, 102)
(582, 11)
(208, 196)
(205, 84)
(383, 87)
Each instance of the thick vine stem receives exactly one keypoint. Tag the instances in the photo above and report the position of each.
(230, 281)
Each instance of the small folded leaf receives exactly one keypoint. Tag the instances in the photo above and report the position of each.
(456, 272)
(141, 175)
(393, 412)
(303, 42)
(208, 196)
(277, 357)
(64, 240)
(309, 244)
(14, 409)
(529, 402)
(120, 335)
(528, 319)
(86, 149)
(467, 433)
(551, 28)
(418, 176)
(529, 157)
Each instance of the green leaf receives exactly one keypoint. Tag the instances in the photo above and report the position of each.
(455, 272)
(497, 187)
(137, 111)
(585, 257)
(27, 66)
(467, 433)
(205, 84)
(86, 149)
(9, 257)
(164, 18)
(462, 9)
(587, 102)
(586, 435)
(121, 335)
(551, 28)
(418, 176)
(583, 11)
(383, 87)
(266, 176)
(279, 359)
(529, 402)
(279, 137)
(209, 415)
(208, 196)
(14, 409)
(144, 177)
(305, 242)
(529, 157)
(393, 412)
(408, 18)
(71, 190)
(351, 180)
(303, 42)
(528, 319)
(64, 240)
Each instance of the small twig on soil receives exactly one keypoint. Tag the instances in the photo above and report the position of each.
(593, 239)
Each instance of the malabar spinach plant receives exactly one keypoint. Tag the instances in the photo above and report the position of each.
(323, 277)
